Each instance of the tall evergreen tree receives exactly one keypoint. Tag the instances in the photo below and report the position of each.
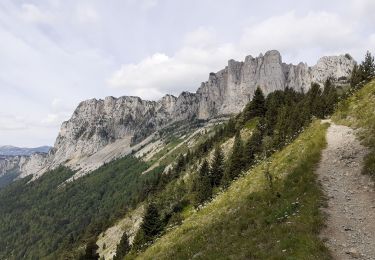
(217, 166)
(368, 66)
(273, 102)
(230, 127)
(235, 162)
(123, 247)
(202, 189)
(256, 107)
(150, 227)
(363, 72)
(314, 100)
(356, 77)
(90, 251)
(330, 98)
(253, 146)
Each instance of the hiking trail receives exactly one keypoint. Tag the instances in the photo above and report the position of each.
(350, 224)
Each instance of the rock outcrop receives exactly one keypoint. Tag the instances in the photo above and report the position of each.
(229, 90)
(111, 127)
(23, 165)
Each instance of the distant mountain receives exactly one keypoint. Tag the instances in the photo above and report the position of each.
(8, 150)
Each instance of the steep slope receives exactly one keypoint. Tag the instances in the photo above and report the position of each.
(253, 220)
(113, 125)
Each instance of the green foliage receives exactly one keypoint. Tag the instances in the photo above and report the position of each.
(40, 220)
(217, 167)
(368, 66)
(122, 248)
(330, 98)
(150, 227)
(256, 107)
(236, 161)
(90, 251)
(253, 146)
(202, 187)
(358, 111)
(8, 178)
(364, 72)
(369, 167)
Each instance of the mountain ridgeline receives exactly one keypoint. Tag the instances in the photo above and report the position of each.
(102, 130)
(193, 186)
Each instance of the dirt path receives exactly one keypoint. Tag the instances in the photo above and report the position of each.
(350, 231)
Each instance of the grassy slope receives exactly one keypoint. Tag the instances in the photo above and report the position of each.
(358, 111)
(249, 221)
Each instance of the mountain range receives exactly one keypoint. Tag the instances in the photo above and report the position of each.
(100, 131)
(9, 150)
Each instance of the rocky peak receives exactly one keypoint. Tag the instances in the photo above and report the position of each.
(97, 124)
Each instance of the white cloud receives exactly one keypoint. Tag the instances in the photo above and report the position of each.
(10, 122)
(363, 8)
(202, 38)
(148, 4)
(32, 13)
(298, 38)
(69, 49)
(144, 5)
(59, 112)
(86, 14)
(160, 74)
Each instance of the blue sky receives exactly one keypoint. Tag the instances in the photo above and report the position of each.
(55, 53)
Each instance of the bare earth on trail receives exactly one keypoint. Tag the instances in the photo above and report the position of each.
(350, 230)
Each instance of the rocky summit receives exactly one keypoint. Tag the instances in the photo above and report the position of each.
(102, 130)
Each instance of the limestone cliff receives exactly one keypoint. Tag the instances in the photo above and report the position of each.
(101, 130)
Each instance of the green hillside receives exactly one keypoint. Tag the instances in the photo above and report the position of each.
(256, 218)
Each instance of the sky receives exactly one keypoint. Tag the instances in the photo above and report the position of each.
(56, 53)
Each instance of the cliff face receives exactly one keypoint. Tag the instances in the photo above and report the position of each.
(112, 126)
(229, 90)
(23, 165)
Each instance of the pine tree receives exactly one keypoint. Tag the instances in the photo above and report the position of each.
(368, 66)
(363, 72)
(253, 146)
(217, 167)
(180, 164)
(230, 127)
(202, 188)
(90, 251)
(150, 227)
(256, 107)
(330, 98)
(122, 248)
(235, 161)
(274, 101)
(314, 100)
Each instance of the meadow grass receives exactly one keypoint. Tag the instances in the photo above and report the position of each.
(358, 111)
(256, 218)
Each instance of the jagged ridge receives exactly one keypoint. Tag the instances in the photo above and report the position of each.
(111, 126)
